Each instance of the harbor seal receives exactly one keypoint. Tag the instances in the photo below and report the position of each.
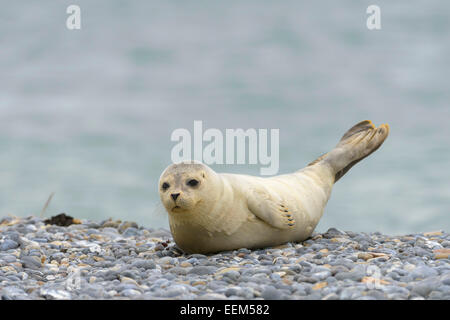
(211, 212)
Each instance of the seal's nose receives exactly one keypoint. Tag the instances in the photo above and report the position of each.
(174, 196)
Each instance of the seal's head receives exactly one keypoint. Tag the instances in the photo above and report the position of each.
(186, 188)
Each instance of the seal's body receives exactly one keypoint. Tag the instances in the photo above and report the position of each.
(210, 212)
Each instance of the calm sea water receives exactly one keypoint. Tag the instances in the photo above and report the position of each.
(88, 114)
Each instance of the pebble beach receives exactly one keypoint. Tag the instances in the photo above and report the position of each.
(121, 260)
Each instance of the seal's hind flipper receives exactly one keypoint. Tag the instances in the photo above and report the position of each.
(359, 127)
(358, 142)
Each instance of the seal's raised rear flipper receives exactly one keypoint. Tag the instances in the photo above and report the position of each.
(356, 144)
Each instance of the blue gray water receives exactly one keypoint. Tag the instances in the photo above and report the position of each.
(88, 114)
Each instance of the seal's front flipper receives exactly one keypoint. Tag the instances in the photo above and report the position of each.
(272, 211)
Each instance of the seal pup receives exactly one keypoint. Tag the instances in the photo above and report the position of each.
(211, 212)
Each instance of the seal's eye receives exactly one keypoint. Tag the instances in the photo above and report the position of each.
(192, 183)
(165, 186)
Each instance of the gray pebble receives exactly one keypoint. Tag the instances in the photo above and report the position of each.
(130, 232)
(321, 275)
(331, 296)
(314, 296)
(333, 233)
(198, 256)
(32, 262)
(141, 263)
(179, 270)
(202, 270)
(349, 293)
(423, 272)
(424, 287)
(212, 296)
(270, 293)
(56, 294)
(130, 292)
(160, 233)
(351, 275)
(343, 262)
(232, 275)
(8, 244)
(12, 235)
(376, 294)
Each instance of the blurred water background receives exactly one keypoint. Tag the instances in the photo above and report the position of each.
(88, 113)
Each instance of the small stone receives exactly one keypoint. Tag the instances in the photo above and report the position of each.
(8, 244)
(319, 285)
(212, 296)
(378, 254)
(32, 262)
(446, 279)
(433, 233)
(127, 224)
(141, 263)
(422, 252)
(130, 232)
(333, 233)
(423, 272)
(349, 293)
(160, 233)
(228, 269)
(179, 270)
(202, 270)
(111, 224)
(165, 260)
(271, 293)
(442, 253)
(128, 280)
(56, 294)
(365, 255)
(234, 291)
(424, 287)
(275, 277)
(441, 256)
(322, 275)
(352, 275)
(130, 292)
(280, 273)
(435, 295)
(198, 256)
(409, 267)
(50, 277)
(13, 292)
(374, 281)
(331, 296)
(185, 264)
(232, 275)
(343, 262)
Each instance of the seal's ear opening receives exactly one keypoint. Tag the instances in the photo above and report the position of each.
(203, 174)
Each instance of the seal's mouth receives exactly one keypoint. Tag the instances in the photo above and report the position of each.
(177, 209)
